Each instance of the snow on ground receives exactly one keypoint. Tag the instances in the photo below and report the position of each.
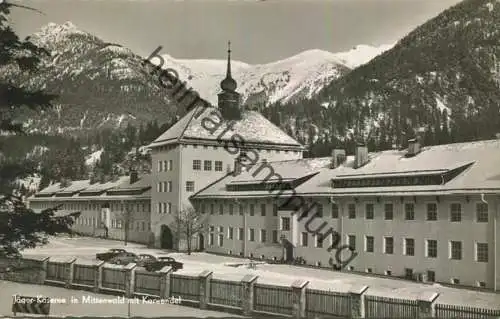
(93, 158)
(8, 289)
(223, 268)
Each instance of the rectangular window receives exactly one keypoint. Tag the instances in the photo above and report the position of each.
(482, 252)
(170, 165)
(241, 209)
(160, 165)
(169, 207)
(409, 211)
(212, 209)
(252, 209)
(241, 233)
(211, 239)
(319, 210)
(389, 245)
(207, 165)
(231, 209)
(409, 247)
(351, 209)
(196, 165)
(369, 211)
(275, 236)
(263, 235)
(218, 166)
(263, 209)
(351, 242)
(369, 244)
(203, 208)
(319, 240)
(431, 211)
(251, 234)
(230, 232)
(482, 212)
(455, 212)
(432, 248)
(221, 240)
(221, 229)
(456, 250)
(335, 211)
(189, 186)
(275, 210)
(304, 238)
(221, 209)
(285, 223)
(169, 186)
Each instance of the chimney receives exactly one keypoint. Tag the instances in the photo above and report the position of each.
(134, 176)
(413, 147)
(361, 155)
(338, 157)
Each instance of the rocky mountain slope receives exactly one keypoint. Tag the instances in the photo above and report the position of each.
(297, 77)
(443, 78)
(104, 84)
(99, 84)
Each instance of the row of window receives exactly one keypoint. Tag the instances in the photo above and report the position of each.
(165, 166)
(207, 165)
(409, 211)
(113, 206)
(431, 247)
(164, 208)
(162, 187)
(231, 209)
(240, 235)
(267, 151)
(115, 223)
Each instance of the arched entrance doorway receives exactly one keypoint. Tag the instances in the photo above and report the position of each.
(201, 242)
(166, 238)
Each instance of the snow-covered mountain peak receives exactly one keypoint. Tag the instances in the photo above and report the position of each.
(292, 78)
(54, 32)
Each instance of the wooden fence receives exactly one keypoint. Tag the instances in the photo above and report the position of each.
(247, 295)
(448, 311)
(147, 283)
(223, 292)
(57, 271)
(114, 279)
(382, 307)
(273, 299)
(186, 287)
(84, 275)
(320, 303)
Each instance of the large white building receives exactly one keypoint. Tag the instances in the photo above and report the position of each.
(425, 212)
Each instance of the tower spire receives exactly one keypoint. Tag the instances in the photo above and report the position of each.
(228, 71)
(228, 84)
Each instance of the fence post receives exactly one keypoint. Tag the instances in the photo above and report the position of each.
(70, 268)
(357, 296)
(205, 278)
(130, 279)
(247, 293)
(98, 276)
(165, 282)
(299, 298)
(427, 305)
(44, 270)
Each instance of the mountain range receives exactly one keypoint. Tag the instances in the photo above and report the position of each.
(102, 84)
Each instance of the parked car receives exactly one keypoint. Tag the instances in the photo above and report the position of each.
(143, 259)
(124, 259)
(158, 262)
(110, 254)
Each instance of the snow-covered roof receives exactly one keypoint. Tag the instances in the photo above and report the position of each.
(478, 160)
(82, 189)
(202, 123)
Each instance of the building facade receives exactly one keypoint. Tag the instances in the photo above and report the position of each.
(426, 213)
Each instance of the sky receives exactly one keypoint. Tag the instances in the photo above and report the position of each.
(260, 31)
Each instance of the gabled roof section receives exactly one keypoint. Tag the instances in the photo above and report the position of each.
(268, 177)
(137, 188)
(204, 124)
(73, 188)
(99, 188)
(49, 190)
